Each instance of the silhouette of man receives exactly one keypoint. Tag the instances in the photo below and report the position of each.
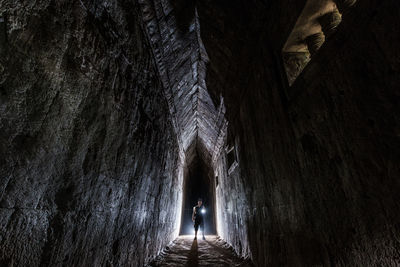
(197, 217)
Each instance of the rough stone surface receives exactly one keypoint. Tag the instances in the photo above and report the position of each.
(318, 161)
(184, 251)
(174, 33)
(294, 64)
(89, 156)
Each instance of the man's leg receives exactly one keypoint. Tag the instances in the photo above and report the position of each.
(202, 229)
(196, 227)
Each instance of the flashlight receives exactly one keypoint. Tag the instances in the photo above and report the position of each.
(203, 211)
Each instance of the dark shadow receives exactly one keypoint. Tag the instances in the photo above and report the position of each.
(226, 253)
(184, 11)
(193, 257)
(229, 253)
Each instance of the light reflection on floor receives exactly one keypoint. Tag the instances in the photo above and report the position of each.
(184, 251)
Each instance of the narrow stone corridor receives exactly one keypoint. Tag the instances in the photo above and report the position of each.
(281, 117)
(184, 251)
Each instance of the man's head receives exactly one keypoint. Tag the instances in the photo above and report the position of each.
(199, 201)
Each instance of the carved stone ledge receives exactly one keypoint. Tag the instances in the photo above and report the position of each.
(329, 22)
(314, 42)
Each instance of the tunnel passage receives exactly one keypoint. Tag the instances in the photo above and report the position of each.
(100, 101)
(198, 182)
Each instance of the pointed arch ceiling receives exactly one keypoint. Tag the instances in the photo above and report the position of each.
(181, 61)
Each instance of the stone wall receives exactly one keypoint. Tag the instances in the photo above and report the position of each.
(318, 173)
(89, 161)
(232, 207)
(346, 120)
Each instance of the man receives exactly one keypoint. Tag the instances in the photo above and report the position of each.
(197, 217)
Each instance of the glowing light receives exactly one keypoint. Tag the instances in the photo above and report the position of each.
(203, 211)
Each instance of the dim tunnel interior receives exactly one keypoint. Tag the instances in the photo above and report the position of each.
(115, 116)
(198, 182)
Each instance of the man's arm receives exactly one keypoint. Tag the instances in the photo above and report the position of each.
(194, 212)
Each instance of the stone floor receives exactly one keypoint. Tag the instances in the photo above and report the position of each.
(213, 251)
